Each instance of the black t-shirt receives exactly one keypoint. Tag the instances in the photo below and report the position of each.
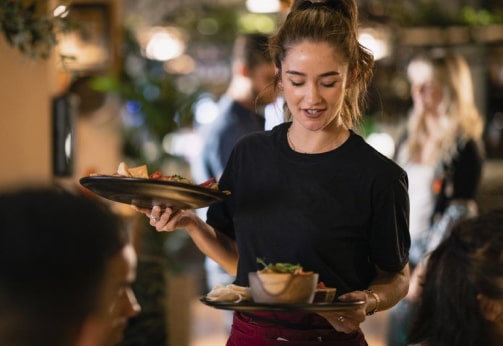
(461, 175)
(337, 213)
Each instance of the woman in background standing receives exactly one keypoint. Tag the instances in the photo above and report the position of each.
(442, 154)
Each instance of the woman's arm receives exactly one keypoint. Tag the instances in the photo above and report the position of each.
(390, 288)
(383, 293)
(210, 241)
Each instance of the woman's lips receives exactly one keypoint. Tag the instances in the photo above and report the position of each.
(312, 113)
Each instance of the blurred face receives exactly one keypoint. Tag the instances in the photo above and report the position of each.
(314, 78)
(262, 78)
(122, 301)
(118, 304)
(426, 92)
(427, 96)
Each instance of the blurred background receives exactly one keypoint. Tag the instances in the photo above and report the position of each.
(88, 84)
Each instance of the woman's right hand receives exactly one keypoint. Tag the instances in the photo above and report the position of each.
(169, 219)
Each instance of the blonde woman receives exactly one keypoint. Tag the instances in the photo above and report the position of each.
(442, 154)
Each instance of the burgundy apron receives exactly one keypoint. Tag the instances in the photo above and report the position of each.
(282, 329)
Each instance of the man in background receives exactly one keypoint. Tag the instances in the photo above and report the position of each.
(241, 111)
(66, 266)
(241, 107)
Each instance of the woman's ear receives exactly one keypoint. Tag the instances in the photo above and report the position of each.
(491, 309)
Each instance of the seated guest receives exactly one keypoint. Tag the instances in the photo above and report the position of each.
(462, 298)
(66, 266)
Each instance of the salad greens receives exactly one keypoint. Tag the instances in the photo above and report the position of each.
(288, 268)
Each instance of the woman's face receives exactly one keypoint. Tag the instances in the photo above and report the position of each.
(313, 78)
(428, 96)
(426, 91)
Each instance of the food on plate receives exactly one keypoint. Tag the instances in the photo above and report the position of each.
(230, 293)
(281, 267)
(157, 175)
(135, 172)
(142, 172)
(283, 283)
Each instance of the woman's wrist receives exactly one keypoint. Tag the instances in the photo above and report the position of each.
(372, 297)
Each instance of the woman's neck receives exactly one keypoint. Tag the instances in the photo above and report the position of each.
(316, 142)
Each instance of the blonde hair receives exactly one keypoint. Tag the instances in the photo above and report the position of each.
(462, 118)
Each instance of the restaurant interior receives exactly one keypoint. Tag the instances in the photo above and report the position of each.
(87, 84)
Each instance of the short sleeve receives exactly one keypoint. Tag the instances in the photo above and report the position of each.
(390, 237)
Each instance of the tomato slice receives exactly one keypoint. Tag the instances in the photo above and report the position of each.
(207, 182)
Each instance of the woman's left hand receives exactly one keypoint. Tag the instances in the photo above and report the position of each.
(348, 321)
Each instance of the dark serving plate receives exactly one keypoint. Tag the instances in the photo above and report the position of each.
(146, 193)
(306, 307)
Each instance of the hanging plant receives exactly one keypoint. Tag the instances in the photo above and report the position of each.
(28, 26)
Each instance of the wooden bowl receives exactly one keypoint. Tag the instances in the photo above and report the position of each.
(282, 288)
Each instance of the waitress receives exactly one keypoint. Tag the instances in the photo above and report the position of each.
(311, 191)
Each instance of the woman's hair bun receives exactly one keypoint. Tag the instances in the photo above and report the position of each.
(348, 8)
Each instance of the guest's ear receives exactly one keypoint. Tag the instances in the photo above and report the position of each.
(491, 309)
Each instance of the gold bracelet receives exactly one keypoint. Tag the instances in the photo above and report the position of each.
(376, 297)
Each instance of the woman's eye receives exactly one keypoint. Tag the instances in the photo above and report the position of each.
(296, 82)
(328, 84)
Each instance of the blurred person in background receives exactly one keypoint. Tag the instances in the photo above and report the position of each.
(462, 297)
(241, 107)
(442, 153)
(240, 113)
(66, 266)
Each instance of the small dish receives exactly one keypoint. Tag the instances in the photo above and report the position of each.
(324, 295)
(282, 288)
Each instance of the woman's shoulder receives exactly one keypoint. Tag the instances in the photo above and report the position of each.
(468, 150)
(371, 156)
(263, 136)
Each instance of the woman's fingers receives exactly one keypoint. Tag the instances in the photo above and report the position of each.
(155, 215)
(340, 322)
(163, 220)
(141, 210)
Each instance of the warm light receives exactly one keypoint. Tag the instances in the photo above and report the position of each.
(377, 41)
(263, 6)
(61, 11)
(162, 43)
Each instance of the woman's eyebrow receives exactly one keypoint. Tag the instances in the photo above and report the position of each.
(325, 74)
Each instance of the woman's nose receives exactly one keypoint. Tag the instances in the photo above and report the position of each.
(132, 305)
(312, 94)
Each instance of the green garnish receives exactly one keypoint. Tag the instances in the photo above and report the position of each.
(280, 267)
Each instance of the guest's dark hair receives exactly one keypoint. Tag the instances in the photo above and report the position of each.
(251, 50)
(54, 249)
(466, 264)
(334, 22)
